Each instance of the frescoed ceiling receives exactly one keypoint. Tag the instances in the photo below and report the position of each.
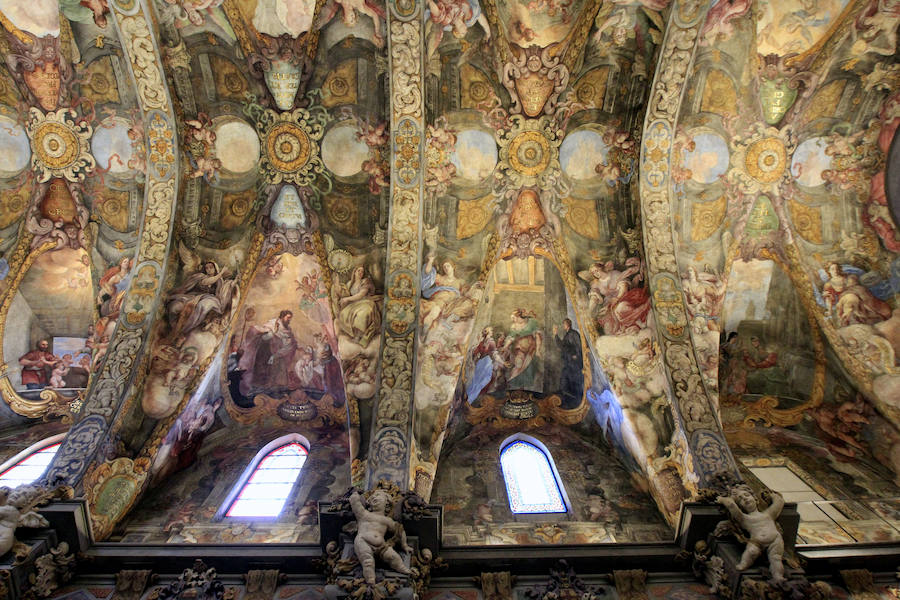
(654, 236)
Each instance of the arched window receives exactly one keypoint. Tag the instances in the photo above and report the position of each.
(266, 485)
(532, 483)
(31, 463)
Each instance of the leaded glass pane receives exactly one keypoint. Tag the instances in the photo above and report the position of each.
(29, 468)
(530, 482)
(267, 489)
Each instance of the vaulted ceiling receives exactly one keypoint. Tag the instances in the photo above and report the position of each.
(654, 236)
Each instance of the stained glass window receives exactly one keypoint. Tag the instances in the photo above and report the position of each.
(270, 484)
(29, 468)
(530, 482)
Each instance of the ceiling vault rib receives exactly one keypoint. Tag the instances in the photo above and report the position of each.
(390, 447)
(113, 386)
(695, 410)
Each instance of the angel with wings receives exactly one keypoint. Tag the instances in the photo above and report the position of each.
(208, 289)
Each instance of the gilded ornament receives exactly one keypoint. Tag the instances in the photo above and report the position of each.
(230, 83)
(12, 205)
(288, 147)
(290, 141)
(582, 217)
(407, 139)
(807, 221)
(472, 216)
(824, 102)
(99, 81)
(60, 145)
(706, 218)
(340, 85)
(529, 156)
(759, 160)
(590, 90)
(719, 95)
(529, 153)
(766, 160)
(475, 87)
(344, 213)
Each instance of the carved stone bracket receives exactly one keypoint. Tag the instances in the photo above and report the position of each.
(415, 522)
(631, 584)
(714, 554)
(860, 584)
(198, 582)
(131, 583)
(496, 585)
(564, 583)
(261, 583)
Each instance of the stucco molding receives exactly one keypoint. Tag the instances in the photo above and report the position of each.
(694, 407)
(108, 390)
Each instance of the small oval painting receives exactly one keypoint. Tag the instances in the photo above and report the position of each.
(111, 146)
(14, 147)
(342, 152)
(237, 146)
(475, 154)
(707, 159)
(581, 152)
(810, 161)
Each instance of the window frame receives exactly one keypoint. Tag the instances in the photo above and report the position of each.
(536, 443)
(27, 452)
(237, 488)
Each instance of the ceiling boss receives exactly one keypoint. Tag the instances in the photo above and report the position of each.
(60, 145)
(291, 145)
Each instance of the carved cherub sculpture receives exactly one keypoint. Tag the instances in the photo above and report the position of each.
(14, 516)
(760, 525)
(377, 535)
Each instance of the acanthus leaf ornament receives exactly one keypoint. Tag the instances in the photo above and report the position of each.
(60, 145)
(529, 155)
(761, 161)
(290, 143)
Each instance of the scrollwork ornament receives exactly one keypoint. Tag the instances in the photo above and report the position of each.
(390, 448)
(389, 451)
(60, 145)
(145, 62)
(290, 142)
(107, 390)
(77, 449)
(529, 156)
(695, 407)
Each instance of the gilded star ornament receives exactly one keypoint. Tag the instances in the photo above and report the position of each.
(529, 155)
(290, 145)
(761, 160)
(60, 145)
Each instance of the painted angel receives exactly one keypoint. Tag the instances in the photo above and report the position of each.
(456, 16)
(349, 17)
(208, 290)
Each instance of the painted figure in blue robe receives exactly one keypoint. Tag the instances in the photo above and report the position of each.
(488, 375)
